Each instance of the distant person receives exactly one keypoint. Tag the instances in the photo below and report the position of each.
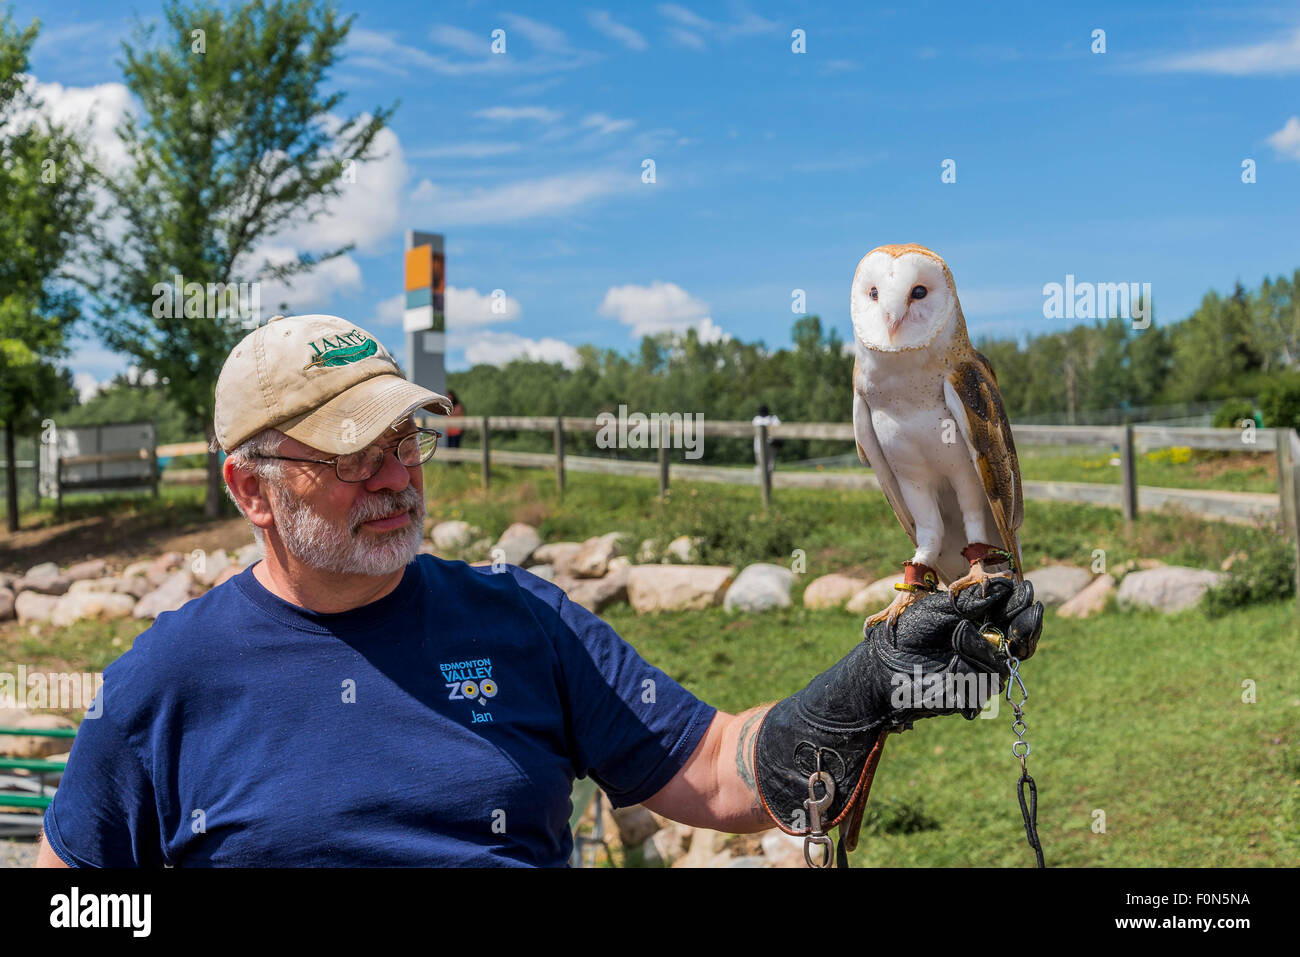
(765, 417)
(453, 432)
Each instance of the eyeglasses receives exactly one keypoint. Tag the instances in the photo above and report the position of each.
(414, 449)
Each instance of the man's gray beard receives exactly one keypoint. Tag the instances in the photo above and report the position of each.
(316, 542)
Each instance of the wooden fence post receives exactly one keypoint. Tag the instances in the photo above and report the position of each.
(1286, 481)
(1293, 441)
(487, 460)
(559, 454)
(764, 476)
(1128, 465)
(663, 460)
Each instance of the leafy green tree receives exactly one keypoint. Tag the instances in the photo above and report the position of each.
(43, 206)
(235, 143)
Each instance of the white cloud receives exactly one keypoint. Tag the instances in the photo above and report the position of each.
(519, 200)
(462, 40)
(310, 292)
(690, 29)
(468, 53)
(605, 125)
(1271, 56)
(1287, 140)
(96, 108)
(465, 309)
(606, 24)
(659, 307)
(468, 150)
(388, 312)
(498, 348)
(508, 114)
(541, 35)
(87, 386)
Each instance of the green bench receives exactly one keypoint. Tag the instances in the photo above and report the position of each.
(29, 790)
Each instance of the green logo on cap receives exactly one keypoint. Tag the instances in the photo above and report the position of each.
(330, 351)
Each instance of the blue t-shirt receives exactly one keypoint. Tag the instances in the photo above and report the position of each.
(441, 725)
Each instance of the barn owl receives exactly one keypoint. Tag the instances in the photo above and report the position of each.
(929, 420)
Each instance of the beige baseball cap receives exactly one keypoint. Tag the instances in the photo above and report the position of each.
(319, 379)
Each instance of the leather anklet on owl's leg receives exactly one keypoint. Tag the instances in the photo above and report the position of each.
(918, 579)
(986, 561)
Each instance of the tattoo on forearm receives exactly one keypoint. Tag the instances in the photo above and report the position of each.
(745, 750)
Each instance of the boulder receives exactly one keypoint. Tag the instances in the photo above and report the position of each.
(648, 553)
(759, 587)
(209, 569)
(248, 554)
(546, 572)
(559, 555)
(592, 560)
(135, 585)
(1091, 600)
(160, 568)
(832, 591)
(7, 580)
(666, 845)
(6, 604)
(227, 573)
(1057, 584)
(76, 606)
(1167, 589)
(135, 569)
(635, 824)
(168, 596)
(783, 850)
(875, 596)
(19, 746)
(95, 568)
(618, 564)
(684, 548)
(101, 585)
(43, 578)
(450, 536)
(652, 588)
(518, 542)
(705, 846)
(596, 594)
(33, 606)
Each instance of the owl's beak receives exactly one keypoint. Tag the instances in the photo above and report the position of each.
(894, 325)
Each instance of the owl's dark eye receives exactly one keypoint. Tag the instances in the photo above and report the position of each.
(918, 292)
(874, 294)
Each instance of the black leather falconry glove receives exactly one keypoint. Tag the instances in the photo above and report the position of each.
(933, 660)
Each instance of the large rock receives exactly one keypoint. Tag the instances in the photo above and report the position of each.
(592, 560)
(653, 588)
(450, 536)
(1089, 601)
(161, 568)
(76, 606)
(783, 850)
(19, 746)
(212, 565)
(137, 569)
(1168, 589)
(832, 591)
(684, 548)
(102, 585)
(875, 596)
(246, 555)
(666, 845)
(1057, 584)
(597, 594)
(169, 596)
(6, 604)
(705, 846)
(135, 585)
(45, 579)
(95, 568)
(227, 573)
(518, 542)
(544, 572)
(559, 555)
(635, 824)
(33, 606)
(759, 587)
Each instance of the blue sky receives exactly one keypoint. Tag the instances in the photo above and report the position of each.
(777, 170)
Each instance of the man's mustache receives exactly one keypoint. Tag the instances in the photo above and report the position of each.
(382, 504)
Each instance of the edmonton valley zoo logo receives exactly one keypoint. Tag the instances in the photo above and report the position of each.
(470, 681)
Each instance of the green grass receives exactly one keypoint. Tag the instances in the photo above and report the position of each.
(1139, 716)
(1162, 468)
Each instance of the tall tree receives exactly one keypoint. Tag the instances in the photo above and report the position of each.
(43, 206)
(236, 142)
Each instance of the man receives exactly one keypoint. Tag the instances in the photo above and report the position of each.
(346, 701)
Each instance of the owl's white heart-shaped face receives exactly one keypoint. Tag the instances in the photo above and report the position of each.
(901, 301)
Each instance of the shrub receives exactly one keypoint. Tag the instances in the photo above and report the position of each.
(1233, 411)
(1279, 401)
(1267, 575)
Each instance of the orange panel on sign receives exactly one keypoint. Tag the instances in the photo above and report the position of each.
(419, 268)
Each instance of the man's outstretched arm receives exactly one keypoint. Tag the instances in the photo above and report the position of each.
(45, 856)
(715, 788)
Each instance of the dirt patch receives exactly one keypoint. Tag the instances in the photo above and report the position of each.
(118, 539)
(1237, 462)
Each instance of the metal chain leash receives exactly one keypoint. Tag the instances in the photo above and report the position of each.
(1020, 750)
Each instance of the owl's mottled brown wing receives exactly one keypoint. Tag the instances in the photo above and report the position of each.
(972, 395)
